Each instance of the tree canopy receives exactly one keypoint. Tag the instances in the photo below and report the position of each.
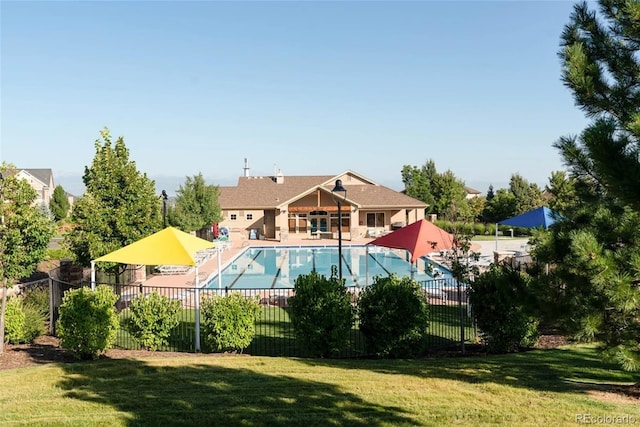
(119, 207)
(25, 233)
(443, 192)
(196, 206)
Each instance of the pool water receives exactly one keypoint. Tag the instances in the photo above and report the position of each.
(278, 267)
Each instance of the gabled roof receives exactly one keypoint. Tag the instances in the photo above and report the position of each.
(265, 193)
(470, 190)
(42, 175)
(378, 196)
(262, 192)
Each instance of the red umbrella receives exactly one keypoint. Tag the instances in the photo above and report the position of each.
(419, 238)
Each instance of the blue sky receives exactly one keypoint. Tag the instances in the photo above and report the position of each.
(303, 87)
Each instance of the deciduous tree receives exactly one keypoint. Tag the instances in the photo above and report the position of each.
(24, 233)
(119, 207)
(440, 191)
(196, 206)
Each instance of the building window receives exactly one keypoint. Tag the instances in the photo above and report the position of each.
(233, 217)
(249, 217)
(375, 219)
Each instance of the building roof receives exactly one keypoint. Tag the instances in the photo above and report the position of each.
(42, 175)
(263, 192)
(470, 190)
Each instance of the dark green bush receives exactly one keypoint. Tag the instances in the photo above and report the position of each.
(498, 300)
(228, 323)
(444, 224)
(394, 315)
(88, 321)
(479, 229)
(321, 313)
(152, 319)
(34, 322)
(37, 298)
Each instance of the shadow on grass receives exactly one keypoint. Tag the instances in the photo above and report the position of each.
(196, 395)
(566, 369)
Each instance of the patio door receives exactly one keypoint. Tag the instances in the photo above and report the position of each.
(318, 223)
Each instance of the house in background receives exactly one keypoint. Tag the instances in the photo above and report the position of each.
(276, 207)
(471, 192)
(42, 181)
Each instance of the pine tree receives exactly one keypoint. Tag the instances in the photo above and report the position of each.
(59, 204)
(597, 250)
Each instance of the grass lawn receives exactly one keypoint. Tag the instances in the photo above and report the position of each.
(542, 387)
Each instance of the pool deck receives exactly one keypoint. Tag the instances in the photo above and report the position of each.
(237, 244)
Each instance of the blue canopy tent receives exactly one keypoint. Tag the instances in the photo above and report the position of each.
(538, 217)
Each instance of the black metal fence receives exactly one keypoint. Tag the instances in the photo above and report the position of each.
(450, 323)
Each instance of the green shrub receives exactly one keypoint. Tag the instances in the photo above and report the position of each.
(23, 321)
(321, 313)
(479, 229)
(152, 319)
(228, 323)
(37, 298)
(14, 321)
(34, 322)
(498, 299)
(444, 224)
(88, 321)
(59, 253)
(394, 315)
(465, 228)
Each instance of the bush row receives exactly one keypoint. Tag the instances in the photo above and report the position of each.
(393, 314)
(88, 321)
(480, 229)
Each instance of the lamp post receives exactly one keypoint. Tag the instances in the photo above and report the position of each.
(164, 208)
(339, 194)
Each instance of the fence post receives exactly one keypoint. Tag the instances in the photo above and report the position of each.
(461, 317)
(197, 309)
(52, 326)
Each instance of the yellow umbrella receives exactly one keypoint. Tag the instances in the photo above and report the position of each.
(169, 246)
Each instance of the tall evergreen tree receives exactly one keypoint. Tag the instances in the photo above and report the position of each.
(59, 204)
(490, 193)
(596, 251)
(119, 207)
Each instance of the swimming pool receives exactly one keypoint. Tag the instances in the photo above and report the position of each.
(278, 267)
